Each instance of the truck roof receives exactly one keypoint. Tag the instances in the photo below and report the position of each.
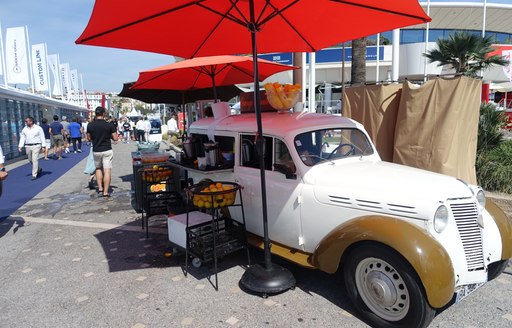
(273, 123)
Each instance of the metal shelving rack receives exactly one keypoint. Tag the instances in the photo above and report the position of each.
(212, 240)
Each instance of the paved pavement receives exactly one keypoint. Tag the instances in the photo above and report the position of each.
(71, 259)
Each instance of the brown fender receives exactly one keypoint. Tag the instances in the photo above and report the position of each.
(504, 226)
(426, 255)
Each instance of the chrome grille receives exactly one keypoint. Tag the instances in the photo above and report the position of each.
(466, 217)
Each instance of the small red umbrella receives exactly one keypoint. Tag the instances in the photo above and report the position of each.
(204, 72)
(179, 97)
(192, 28)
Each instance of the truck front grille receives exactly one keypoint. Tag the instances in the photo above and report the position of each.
(466, 217)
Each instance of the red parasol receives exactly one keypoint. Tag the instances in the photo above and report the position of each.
(189, 28)
(204, 72)
(192, 28)
(179, 97)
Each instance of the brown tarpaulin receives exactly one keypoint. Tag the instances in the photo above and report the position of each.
(376, 107)
(435, 128)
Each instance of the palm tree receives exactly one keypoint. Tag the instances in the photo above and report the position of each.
(466, 53)
(358, 71)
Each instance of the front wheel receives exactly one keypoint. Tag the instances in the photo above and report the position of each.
(385, 289)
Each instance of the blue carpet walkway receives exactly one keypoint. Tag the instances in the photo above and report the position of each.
(18, 188)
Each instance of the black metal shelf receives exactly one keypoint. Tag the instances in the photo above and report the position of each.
(210, 241)
(159, 191)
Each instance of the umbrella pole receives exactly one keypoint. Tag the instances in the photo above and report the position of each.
(269, 278)
(214, 89)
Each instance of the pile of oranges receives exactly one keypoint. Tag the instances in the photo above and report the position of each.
(214, 196)
(157, 187)
(282, 97)
(156, 173)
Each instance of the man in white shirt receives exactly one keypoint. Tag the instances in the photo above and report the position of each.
(172, 125)
(32, 137)
(139, 127)
(172, 129)
(147, 128)
(3, 172)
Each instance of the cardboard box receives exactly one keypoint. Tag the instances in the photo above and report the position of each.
(177, 224)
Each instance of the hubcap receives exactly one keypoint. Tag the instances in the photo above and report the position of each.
(382, 289)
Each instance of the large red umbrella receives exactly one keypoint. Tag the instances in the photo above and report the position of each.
(191, 28)
(204, 72)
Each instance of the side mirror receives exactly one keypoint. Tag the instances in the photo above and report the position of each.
(285, 169)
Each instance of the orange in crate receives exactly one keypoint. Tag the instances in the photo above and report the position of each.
(213, 195)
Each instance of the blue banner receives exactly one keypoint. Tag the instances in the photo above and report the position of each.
(329, 55)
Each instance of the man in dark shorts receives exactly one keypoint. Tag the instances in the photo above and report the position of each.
(100, 133)
(58, 139)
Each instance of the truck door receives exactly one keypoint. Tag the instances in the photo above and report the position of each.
(283, 190)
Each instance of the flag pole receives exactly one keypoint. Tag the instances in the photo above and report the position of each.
(47, 70)
(2, 54)
(82, 103)
(30, 73)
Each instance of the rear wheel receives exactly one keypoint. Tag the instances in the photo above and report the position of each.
(385, 289)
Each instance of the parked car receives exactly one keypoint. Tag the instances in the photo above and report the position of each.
(405, 241)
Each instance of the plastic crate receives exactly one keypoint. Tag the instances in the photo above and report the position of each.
(148, 146)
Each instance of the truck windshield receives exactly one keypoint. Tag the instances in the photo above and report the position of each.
(321, 145)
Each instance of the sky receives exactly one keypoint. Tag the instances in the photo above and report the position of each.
(58, 23)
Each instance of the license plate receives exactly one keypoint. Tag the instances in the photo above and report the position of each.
(466, 290)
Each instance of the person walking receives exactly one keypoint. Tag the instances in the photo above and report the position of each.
(65, 133)
(126, 130)
(140, 129)
(56, 130)
(47, 137)
(3, 172)
(75, 132)
(84, 130)
(32, 138)
(172, 130)
(100, 133)
(147, 128)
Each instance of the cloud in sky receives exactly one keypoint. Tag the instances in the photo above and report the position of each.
(58, 23)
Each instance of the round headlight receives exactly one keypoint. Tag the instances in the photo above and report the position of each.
(441, 219)
(480, 198)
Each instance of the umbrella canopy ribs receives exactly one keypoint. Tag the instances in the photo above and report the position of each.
(212, 27)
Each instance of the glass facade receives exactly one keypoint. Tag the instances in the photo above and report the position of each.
(418, 35)
(14, 110)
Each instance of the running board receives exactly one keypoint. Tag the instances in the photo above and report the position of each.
(291, 254)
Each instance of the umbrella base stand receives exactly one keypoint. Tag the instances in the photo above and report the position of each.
(272, 280)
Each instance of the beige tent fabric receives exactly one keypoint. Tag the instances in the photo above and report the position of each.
(375, 107)
(437, 126)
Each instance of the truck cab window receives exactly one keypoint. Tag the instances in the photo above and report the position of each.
(283, 157)
(249, 156)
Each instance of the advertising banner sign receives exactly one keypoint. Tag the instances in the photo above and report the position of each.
(16, 55)
(74, 81)
(40, 67)
(54, 63)
(65, 79)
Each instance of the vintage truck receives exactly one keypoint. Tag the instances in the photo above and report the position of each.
(406, 241)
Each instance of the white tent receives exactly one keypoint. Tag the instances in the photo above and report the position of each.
(134, 113)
